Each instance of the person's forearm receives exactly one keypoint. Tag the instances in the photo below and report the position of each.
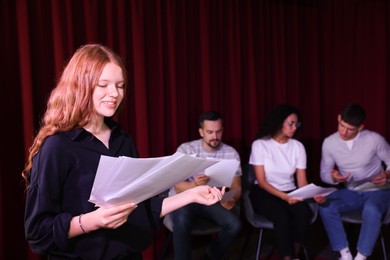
(326, 176)
(81, 224)
(236, 188)
(302, 182)
(74, 228)
(272, 190)
(174, 202)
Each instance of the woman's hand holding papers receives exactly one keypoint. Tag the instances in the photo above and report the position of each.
(103, 217)
(291, 200)
(114, 217)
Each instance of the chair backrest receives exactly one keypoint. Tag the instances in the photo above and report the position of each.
(253, 218)
(248, 177)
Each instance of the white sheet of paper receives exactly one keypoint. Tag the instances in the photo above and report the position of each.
(125, 179)
(222, 173)
(309, 191)
(111, 173)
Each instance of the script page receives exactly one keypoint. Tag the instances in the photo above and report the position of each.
(135, 180)
(222, 173)
(309, 191)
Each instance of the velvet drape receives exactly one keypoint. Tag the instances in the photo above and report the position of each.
(239, 57)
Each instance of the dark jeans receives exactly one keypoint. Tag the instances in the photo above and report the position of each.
(182, 225)
(291, 222)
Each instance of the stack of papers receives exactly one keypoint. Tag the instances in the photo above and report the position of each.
(222, 173)
(309, 191)
(125, 179)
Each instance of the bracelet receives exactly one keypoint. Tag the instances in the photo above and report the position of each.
(81, 225)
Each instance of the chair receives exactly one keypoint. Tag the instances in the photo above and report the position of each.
(258, 221)
(354, 217)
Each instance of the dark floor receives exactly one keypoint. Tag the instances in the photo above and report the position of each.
(317, 244)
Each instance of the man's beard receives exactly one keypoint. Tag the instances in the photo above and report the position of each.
(214, 143)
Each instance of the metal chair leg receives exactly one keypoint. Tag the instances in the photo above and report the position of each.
(383, 246)
(259, 243)
(305, 252)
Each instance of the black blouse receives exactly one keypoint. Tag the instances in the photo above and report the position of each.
(61, 180)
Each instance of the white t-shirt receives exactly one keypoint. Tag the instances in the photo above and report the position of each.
(280, 161)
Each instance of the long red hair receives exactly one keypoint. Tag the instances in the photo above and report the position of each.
(70, 102)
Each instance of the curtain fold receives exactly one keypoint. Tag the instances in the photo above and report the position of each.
(239, 57)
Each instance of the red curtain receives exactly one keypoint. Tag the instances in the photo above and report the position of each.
(239, 57)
